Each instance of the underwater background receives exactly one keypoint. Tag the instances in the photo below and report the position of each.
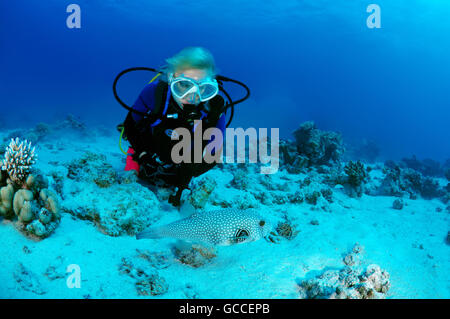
(305, 59)
(385, 90)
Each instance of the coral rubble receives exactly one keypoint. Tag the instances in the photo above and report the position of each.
(147, 282)
(195, 255)
(27, 280)
(350, 282)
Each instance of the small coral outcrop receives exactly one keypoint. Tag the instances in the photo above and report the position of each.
(398, 204)
(286, 228)
(201, 190)
(356, 177)
(24, 196)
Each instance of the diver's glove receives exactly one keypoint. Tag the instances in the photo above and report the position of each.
(183, 178)
(142, 158)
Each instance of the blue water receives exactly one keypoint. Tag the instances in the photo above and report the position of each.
(303, 60)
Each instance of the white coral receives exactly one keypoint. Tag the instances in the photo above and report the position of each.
(19, 158)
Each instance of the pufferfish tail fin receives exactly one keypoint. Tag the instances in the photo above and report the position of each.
(187, 209)
(150, 233)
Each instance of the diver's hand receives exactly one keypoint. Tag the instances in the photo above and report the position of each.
(143, 158)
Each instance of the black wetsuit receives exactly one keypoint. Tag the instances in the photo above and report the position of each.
(150, 136)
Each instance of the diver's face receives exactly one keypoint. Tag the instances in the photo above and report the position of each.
(195, 74)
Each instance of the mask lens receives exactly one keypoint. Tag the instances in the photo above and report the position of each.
(181, 87)
(207, 91)
(185, 88)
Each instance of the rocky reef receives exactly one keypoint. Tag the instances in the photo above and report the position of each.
(407, 182)
(93, 182)
(317, 202)
(312, 147)
(427, 167)
(320, 147)
(92, 168)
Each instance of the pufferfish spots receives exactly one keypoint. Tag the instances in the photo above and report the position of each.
(218, 227)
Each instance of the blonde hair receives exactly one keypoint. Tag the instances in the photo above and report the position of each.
(191, 58)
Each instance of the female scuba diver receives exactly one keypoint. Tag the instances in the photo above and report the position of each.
(186, 90)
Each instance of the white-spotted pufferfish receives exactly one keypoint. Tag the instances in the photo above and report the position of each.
(218, 227)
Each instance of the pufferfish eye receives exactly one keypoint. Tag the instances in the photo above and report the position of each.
(262, 223)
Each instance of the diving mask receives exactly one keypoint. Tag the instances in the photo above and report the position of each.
(193, 91)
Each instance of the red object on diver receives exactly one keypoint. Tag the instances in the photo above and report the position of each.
(131, 164)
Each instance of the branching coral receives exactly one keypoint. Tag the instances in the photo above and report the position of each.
(356, 173)
(354, 179)
(19, 158)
